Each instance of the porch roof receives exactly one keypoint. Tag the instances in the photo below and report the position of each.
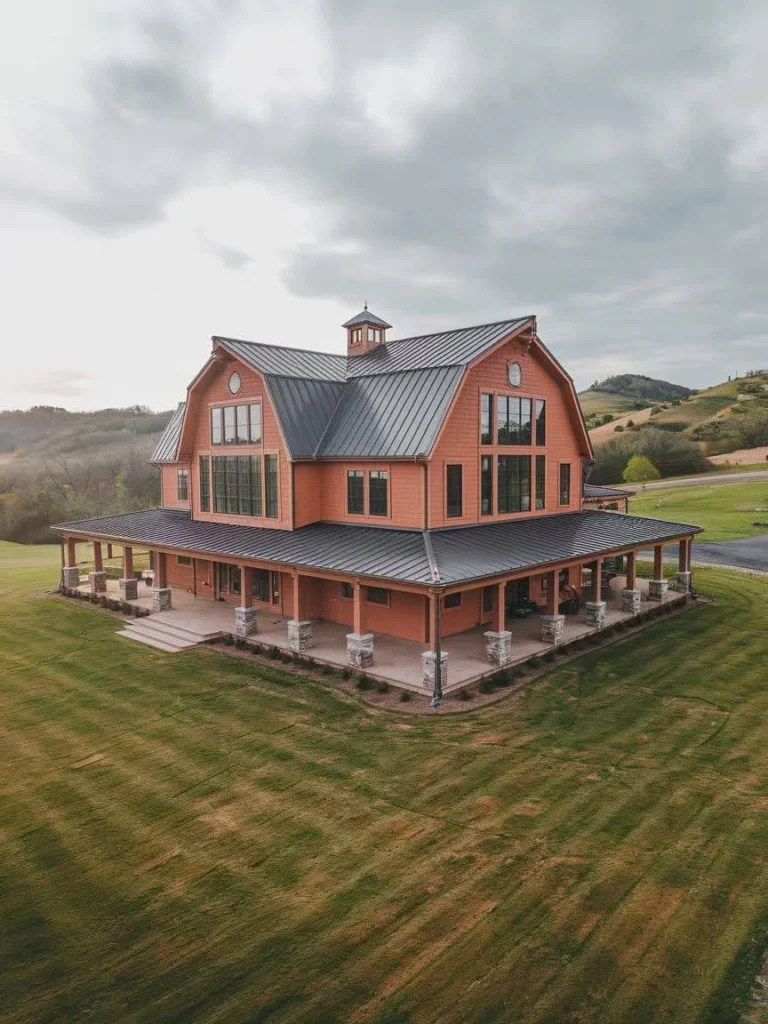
(442, 557)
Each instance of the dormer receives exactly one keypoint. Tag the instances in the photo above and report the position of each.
(365, 332)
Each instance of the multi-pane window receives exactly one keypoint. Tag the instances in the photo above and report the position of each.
(275, 587)
(236, 485)
(488, 599)
(236, 424)
(514, 483)
(376, 595)
(378, 486)
(183, 560)
(346, 591)
(452, 601)
(182, 484)
(355, 492)
(453, 487)
(541, 421)
(235, 579)
(486, 419)
(374, 335)
(486, 485)
(356, 335)
(260, 584)
(513, 418)
(205, 483)
(270, 485)
(541, 482)
(565, 483)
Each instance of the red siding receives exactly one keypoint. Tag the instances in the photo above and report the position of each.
(169, 486)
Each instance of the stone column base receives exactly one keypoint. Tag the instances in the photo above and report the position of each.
(552, 627)
(98, 582)
(657, 589)
(428, 660)
(129, 588)
(630, 601)
(246, 620)
(498, 647)
(70, 577)
(299, 635)
(161, 599)
(683, 582)
(595, 614)
(360, 649)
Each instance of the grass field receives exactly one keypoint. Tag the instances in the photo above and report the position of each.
(726, 511)
(189, 838)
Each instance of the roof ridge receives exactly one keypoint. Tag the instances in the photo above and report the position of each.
(289, 348)
(331, 418)
(454, 330)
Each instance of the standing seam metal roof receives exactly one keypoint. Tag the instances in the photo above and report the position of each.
(168, 445)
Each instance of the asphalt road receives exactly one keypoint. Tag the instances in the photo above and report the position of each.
(695, 481)
(747, 553)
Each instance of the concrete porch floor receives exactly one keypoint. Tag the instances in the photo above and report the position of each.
(397, 661)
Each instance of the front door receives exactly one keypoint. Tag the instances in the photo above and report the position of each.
(517, 591)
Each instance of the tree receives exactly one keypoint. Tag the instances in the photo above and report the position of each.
(639, 470)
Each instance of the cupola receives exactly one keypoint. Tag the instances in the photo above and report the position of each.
(365, 332)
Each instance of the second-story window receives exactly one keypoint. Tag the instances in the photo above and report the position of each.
(378, 486)
(205, 483)
(230, 436)
(486, 419)
(217, 429)
(270, 486)
(182, 484)
(355, 492)
(453, 491)
(236, 424)
(514, 485)
(236, 485)
(565, 483)
(541, 482)
(513, 420)
(541, 421)
(486, 485)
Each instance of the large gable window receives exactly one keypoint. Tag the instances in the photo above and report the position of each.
(513, 417)
(236, 424)
(514, 483)
(236, 485)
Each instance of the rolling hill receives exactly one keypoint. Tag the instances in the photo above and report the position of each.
(625, 393)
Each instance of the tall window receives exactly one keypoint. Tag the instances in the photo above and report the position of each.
(236, 424)
(514, 483)
(242, 424)
(217, 435)
(231, 485)
(236, 485)
(565, 483)
(205, 483)
(541, 421)
(513, 416)
(230, 435)
(453, 482)
(355, 492)
(486, 419)
(249, 485)
(486, 485)
(378, 485)
(270, 482)
(260, 584)
(488, 598)
(254, 429)
(541, 481)
(182, 484)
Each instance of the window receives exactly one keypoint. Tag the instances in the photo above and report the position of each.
(347, 591)
(486, 419)
(565, 483)
(242, 424)
(541, 482)
(260, 585)
(236, 485)
(356, 335)
(182, 484)
(235, 383)
(355, 492)
(513, 417)
(275, 587)
(236, 424)
(453, 490)
(230, 435)
(205, 483)
(541, 421)
(255, 423)
(270, 481)
(216, 427)
(183, 560)
(514, 483)
(563, 578)
(544, 582)
(488, 599)
(514, 374)
(374, 335)
(235, 579)
(452, 601)
(378, 485)
(377, 595)
(486, 485)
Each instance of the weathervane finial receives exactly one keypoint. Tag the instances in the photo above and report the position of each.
(365, 305)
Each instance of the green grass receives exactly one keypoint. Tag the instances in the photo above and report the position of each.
(726, 511)
(189, 838)
(598, 403)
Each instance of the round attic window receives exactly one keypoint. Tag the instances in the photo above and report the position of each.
(514, 375)
(235, 383)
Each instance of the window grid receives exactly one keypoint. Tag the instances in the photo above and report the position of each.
(355, 492)
(182, 484)
(486, 485)
(486, 419)
(513, 416)
(514, 483)
(236, 424)
(205, 483)
(453, 489)
(565, 483)
(377, 595)
(541, 421)
(541, 482)
(378, 497)
(236, 485)
(270, 482)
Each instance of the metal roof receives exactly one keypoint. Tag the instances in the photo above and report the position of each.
(304, 408)
(438, 557)
(366, 317)
(168, 445)
(288, 362)
(394, 415)
(593, 493)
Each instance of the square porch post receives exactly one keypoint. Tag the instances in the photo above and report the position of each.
(595, 609)
(97, 578)
(498, 641)
(246, 621)
(631, 596)
(657, 587)
(429, 658)
(360, 649)
(161, 592)
(129, 585)
(552, 623)
(683, 578)
(70, 574)
(299, 629)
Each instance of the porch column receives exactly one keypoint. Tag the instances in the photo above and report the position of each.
(429, 658)
(683, 577)
(161, 592)
(129, 585)
(631, 596)
(498, 641)
(70, 574)
(552, 623)
(360, 650)
(246, 622)
(97, 578)
(657, 587)
(595, 609)
(299, 629)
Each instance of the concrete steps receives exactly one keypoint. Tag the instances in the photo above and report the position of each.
(164, 634)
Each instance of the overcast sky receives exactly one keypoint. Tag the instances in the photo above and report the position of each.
(172, 170)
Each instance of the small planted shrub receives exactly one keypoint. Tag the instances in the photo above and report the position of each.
(274, 652)
(465, 695)
(363, 683)
(138, 611)
(345, 673)
(126, 607)
(228, 639)
(326, 670)
(404, 697)
(240, 643)
(382, 687)
(486, 686)
(103, 600)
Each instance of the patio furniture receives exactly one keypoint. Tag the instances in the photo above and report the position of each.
(523, 608)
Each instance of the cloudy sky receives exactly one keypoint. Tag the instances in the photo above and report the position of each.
(171, 170)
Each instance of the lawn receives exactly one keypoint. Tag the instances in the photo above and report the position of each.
(190, 838)
(726, 511)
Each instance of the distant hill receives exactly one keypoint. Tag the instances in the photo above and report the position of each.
(647, 389)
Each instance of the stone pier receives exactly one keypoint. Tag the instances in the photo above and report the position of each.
(630, 601)
(552, 627)
(360, 649)
(428, 661)
(595, 614)
(129, 588)
(498, 647)
(246, 621)
(657, 589)
(161, 600)
(299, 635)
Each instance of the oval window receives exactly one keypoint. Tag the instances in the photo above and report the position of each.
(235, 383)
(514, 375)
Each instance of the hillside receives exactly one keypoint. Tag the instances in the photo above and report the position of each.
(627, 392)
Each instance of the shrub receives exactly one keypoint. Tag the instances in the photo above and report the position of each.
(363, 682)
(618, 429)
(486, 685)
(404, 697)
(274, 652)
(382, 687)
(345, 673)
(228, 639)
(326, 670)
(138, 611)
(240, 643)
(126, 607)
(103, 600)
(549, 657)
(465, 695)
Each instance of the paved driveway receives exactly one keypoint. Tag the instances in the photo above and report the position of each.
(748, 553)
